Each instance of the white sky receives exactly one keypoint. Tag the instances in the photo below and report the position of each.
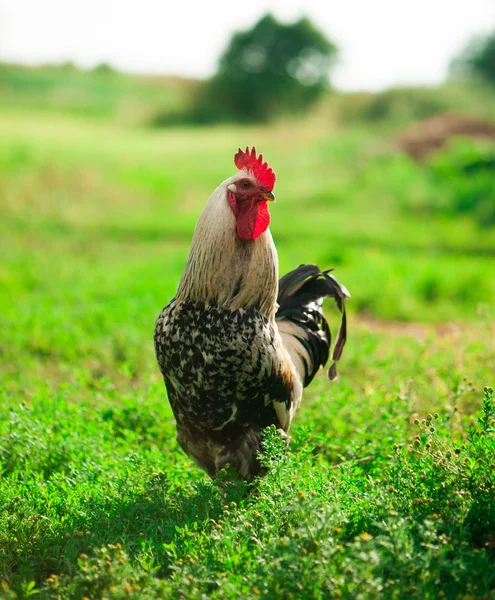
(382, 42)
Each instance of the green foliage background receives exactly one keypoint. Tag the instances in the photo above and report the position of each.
(388, 488)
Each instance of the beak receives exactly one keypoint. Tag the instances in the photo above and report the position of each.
(269, 197)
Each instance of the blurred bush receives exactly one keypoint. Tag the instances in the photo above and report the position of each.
(400, 106)
(105, 70)
(465, 170)
(454, 181)
(403, 104)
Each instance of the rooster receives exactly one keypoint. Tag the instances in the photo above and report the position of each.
(236, 346)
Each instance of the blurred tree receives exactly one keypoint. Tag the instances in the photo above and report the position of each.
(269, 69)
(478, 58)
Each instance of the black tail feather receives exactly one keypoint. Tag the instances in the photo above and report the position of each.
(301, 293)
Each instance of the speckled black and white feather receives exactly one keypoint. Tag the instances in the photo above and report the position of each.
(220, 369)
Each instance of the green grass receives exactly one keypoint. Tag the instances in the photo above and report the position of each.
(104, 94)
(96, 498)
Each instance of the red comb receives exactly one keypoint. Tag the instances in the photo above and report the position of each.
(249, 161)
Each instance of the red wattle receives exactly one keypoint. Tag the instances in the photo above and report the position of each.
(253, 221)
(262, 220)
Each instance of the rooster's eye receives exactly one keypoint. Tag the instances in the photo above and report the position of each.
(245, 185)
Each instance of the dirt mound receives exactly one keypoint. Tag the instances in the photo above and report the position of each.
(422, 139)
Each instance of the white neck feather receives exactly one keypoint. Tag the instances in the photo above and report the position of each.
(224, 269)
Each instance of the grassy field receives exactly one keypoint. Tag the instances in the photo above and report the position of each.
(389, 486)
(101, 93)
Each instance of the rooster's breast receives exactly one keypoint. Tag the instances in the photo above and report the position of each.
(219, 366)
